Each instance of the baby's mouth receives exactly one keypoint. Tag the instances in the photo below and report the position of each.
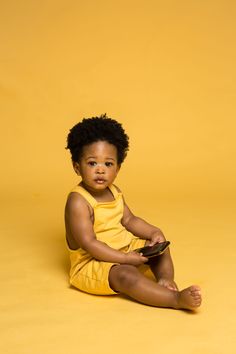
(100, 180)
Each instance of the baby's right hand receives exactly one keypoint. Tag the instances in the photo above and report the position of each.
(135, 258)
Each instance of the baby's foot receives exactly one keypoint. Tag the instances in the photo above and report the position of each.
(189, 298)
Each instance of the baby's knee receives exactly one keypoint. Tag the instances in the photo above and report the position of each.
(127, 276)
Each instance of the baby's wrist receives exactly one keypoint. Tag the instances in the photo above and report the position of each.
(124, 258)
(158, 234)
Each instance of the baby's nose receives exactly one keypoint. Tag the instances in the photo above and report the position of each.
(100, 168)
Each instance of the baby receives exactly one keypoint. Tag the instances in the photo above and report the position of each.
(102, 232)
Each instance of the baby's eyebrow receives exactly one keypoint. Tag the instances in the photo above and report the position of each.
(95, 157)
(91, 157)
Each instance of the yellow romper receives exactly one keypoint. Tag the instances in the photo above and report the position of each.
(86, 273)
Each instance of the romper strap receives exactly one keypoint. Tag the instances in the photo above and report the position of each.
(79, 189)
(114, 190)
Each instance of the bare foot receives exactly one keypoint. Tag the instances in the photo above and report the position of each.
(189, 298)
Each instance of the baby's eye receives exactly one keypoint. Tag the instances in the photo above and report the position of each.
(108, 164)
(92, 163)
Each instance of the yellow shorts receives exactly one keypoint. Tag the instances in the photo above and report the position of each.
(93, 277)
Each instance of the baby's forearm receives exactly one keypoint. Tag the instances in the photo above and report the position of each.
(141, 228)
(102, 252)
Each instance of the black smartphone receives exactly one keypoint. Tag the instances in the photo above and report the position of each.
(153, 251)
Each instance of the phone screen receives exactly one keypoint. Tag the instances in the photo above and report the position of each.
(155, 250)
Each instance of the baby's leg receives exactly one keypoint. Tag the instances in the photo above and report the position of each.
(128, 280)
(162, 266)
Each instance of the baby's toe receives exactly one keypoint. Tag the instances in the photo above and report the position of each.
(195, 290)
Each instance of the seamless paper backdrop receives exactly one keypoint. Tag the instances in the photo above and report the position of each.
(164, 69)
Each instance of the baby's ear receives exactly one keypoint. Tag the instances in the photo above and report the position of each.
(76, 167)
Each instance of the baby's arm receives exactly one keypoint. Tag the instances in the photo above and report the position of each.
(140, 227)
(162, 266)
(79, 227)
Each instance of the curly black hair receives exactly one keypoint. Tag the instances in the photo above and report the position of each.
(94, 129)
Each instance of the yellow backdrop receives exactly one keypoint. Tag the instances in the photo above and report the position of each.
(166, 70)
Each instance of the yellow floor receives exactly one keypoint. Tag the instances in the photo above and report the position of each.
(40, 313)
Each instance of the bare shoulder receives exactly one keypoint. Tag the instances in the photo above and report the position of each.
(78, 220)
(77, 203)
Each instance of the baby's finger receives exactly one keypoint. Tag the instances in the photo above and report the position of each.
(145, 259)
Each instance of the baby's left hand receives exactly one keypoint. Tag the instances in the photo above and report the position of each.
(156, 237)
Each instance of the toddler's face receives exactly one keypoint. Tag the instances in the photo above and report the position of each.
(98, 165)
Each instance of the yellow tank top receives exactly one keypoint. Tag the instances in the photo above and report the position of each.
(107, 226)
